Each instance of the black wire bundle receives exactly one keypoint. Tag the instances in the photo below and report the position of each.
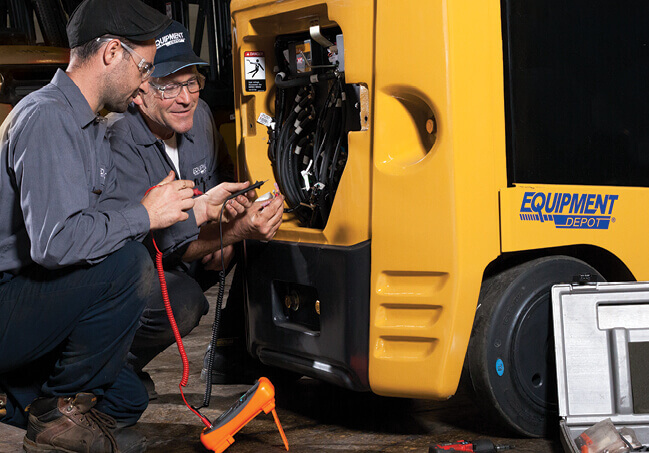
(307, 145)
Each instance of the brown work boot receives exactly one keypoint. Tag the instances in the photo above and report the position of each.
(70, 424)
(3, 405)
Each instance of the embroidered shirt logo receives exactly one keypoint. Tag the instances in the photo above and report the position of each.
(200, 170)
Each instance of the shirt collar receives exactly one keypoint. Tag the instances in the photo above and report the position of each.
(140, 131)
(83, 114)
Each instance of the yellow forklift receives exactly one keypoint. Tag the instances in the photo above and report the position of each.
(444, 163)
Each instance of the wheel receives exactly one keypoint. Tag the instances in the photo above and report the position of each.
(511, 351)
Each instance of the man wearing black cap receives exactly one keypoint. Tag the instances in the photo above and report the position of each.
(73, 278)
(170, 128)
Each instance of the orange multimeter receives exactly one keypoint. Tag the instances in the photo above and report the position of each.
(260, 397)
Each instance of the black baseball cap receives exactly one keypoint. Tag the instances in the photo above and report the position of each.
(174, 51)
(130, 19)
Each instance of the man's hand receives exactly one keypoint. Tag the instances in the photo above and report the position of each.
(235, 206)
(208, 206)
(261, 221)
(212, 262)
(168, 202)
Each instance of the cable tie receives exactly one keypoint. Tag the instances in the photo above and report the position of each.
(339, 103)
(313, 78)
(298, 130)
(305, 175)
(298, 150)
(297, 109)
(343, 95)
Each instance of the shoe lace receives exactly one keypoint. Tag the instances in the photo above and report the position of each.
(105, 423)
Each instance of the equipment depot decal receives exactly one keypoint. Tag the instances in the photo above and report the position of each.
(569, 210)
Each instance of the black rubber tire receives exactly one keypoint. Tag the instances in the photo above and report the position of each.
(511, 351)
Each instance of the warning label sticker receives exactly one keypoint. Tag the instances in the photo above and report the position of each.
(254, 67)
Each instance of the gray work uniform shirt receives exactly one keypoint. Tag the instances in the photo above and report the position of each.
(55, 168)
(142, 162)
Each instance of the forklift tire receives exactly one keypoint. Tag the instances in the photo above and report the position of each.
(510, 358)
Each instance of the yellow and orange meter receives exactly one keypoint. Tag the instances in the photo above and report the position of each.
(260, 397)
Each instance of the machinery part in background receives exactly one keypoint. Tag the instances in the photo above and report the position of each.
(52, 20)
(313, 114)
(26, 66)
(511, 354)
(16, 23)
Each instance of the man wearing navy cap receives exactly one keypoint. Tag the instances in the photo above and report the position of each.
(169, 128)
(73, 277)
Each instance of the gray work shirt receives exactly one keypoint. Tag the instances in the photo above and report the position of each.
(142, 162)
(55, 168)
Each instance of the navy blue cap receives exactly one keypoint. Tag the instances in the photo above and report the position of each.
(174, 51)
(129, 19)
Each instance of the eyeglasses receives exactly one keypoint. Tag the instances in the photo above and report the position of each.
(172, 90)
(145, 67)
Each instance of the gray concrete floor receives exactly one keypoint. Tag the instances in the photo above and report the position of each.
(316, 417)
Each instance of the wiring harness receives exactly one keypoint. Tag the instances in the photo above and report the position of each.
(308, 142)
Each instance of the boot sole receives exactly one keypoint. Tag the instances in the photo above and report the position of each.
(33, 447)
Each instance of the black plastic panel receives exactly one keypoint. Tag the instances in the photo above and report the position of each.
(576, 91)
(332, 345)
(639, 369)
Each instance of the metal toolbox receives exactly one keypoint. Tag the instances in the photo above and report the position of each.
(601, 334)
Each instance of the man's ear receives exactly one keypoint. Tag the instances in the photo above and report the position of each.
(112, 52)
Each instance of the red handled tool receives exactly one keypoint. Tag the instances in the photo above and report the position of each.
(478, 446)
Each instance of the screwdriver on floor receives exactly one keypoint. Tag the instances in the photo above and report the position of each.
(477, 446)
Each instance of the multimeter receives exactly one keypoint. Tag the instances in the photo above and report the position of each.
(260, 397)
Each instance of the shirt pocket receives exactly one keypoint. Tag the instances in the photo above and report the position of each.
(200, 176)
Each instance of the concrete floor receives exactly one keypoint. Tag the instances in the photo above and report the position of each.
(316, 417)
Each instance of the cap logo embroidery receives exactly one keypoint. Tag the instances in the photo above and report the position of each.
(169, 40)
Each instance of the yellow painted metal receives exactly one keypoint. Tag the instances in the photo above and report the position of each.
(422, 182)
(623, 237)
(256, 24)
(4, 111)
(435, 202)
(30, 55)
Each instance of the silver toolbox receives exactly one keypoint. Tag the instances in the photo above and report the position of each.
(601, 334)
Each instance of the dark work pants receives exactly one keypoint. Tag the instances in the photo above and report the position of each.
(188, 304)
(154, 335)
(68, 331)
